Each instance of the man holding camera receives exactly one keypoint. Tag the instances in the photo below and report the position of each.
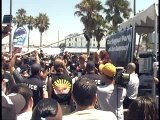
(111, 95)
(132, 87)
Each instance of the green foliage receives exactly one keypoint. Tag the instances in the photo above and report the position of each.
(93, 21)
(146, 40)
(30, 22)
(116, 12)
(88, 10)
(21, 18)
(42, 22)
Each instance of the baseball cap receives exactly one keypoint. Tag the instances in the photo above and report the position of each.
(108, 69)
(8, 109)
(18, 101)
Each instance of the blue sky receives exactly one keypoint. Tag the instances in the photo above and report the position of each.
(61, 15)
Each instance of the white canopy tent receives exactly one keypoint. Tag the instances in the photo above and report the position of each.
(145, 22)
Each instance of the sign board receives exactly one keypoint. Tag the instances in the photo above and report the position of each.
(120, 47)
(19, 38)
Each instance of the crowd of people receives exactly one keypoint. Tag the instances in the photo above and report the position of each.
(70, 87)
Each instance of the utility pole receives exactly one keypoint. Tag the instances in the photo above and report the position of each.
(10, 36)
(58, 38)
(134, 7)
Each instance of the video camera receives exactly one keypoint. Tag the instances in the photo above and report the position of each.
(121, 78)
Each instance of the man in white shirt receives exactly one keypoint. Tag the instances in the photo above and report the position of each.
(133, 84)
(84, 94)
(110, 96)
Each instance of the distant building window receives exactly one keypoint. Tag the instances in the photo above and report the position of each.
(69, 39)
(76, 39)
(69, 44)
(93, 45)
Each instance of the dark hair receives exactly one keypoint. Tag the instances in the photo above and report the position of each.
(24, 90)
(46, 107)
(35, 69)
(6, 65)
(84, 91)
(143, 108)
(58, 65)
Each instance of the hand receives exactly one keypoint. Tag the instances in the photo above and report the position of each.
(45, 93)
(6, 30)
(18, 55)
(156, 80)
(35, 52)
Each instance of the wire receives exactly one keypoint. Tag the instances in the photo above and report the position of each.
(52, 43)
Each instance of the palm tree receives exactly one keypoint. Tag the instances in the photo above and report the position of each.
(30, 24)
(21, 17)
(100, 29)
(88, 9)
(117, 11)
(42, 23)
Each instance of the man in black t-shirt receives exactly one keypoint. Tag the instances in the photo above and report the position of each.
(35, 83)
(60, 87)
(90, 74)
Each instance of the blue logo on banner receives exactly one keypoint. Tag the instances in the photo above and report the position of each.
(19, 37)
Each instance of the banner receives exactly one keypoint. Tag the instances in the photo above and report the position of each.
(19, 38)
(120, 47)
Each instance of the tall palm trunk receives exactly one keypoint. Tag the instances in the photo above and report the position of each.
(88, 47)
(40, 39)
(28, 38)
(98, 45)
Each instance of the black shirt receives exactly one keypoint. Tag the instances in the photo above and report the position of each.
(95, 77)
(10, 82)
(61, 88)
(36, 85)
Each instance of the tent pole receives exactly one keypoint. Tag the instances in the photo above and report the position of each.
(134, 42)
(155, 53)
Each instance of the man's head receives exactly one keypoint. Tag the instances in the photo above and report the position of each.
(36, 69)
(90, 67)
(47, 108)
(59, 65)
(26, 93)
(131, 67)
(108, 70)
(84, 92)
(82, 58)
(12, 105)
(24, 70)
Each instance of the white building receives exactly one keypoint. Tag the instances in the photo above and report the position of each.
(79, 41)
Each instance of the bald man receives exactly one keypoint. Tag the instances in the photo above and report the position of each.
(132, 87)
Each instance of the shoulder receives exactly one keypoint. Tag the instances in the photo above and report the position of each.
(110, 115)
(90, 114)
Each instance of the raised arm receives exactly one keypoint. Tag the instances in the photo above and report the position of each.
(17, 77)
(37, 57)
